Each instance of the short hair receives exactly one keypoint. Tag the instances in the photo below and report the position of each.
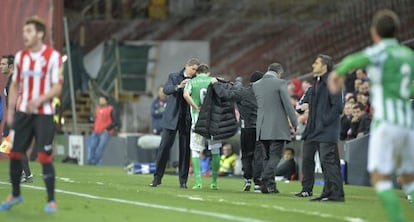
(275, 67)
(351, 97)
(38, 23)
(193, 61)
(326, 60)
(203, 68)
(359, 106)
(103, 95)
(256, 76)
(10, 59)
(289, 149)
(386, 23)
(228, 146)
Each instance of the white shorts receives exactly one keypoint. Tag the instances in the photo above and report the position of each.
(391, 148)
(198, 143)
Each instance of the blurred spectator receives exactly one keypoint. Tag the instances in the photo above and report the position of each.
(157, 111)
(349, 97)
(363, 98)
(298, 87)
(360, 122)
(357, 84)
(287, 166)
(291, 89)
(227, 161)
(105, 123)
(361, 74)
(350, 82)
(364, 88)
(346, 120)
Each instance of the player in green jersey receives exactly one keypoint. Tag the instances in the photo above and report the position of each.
(390, 69)
(194, 92)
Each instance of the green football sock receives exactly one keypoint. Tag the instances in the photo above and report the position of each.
(412, 196)
(197, 171)
(215, 165)
(392, 205)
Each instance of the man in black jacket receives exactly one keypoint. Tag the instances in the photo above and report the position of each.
(252, 151)
(176, 118)
(322, 135)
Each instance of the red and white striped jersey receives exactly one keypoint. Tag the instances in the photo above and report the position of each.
(36, 73)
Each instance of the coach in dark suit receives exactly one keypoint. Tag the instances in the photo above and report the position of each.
(176, 118)
(272, 125)
(322, 134)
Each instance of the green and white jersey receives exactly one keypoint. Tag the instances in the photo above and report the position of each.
(390, 68)
(197, 88)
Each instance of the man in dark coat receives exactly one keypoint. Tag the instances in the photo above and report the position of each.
(252, 152)
(176, 118)
(322, 135)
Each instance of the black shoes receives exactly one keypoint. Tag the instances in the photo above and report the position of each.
(328, 199)
(265, 189)
(317, 199)
(331, 199)
(183, 186)
(154, 183)
(304, 194)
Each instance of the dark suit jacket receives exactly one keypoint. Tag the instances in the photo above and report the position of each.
(177, 108)
(324, 114)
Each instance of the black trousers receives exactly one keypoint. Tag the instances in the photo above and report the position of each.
(252, 155)
(167, 141)
(329, 157)
(273, 150)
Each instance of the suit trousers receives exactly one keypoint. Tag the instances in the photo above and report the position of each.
(331, 168)
(273, 150)
(167, 141)
(252, 155)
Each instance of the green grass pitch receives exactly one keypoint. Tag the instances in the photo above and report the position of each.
(87, 193)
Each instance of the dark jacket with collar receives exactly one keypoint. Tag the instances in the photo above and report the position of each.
(177, 108)
(324, 114)
(246, 103)
(217, 119)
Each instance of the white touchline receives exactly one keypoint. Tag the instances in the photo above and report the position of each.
(156, 206)
(284, 209)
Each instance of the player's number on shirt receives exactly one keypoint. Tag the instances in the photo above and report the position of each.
(203, 93)
(405, 70)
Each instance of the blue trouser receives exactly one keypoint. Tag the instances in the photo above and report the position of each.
(96, 147)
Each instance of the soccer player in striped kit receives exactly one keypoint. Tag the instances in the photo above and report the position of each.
(38, 74)
(391, 72)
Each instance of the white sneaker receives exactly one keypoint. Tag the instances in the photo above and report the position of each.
(28, 179)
